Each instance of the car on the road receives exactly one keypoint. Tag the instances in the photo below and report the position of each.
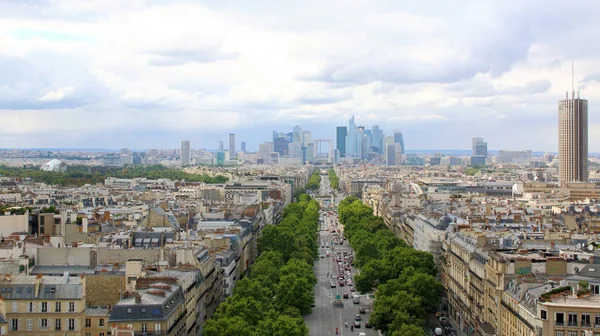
(352, 289)
(332, 284)
(322, 256)
(346, 295)
(362, 310)
(357, 317)
(356, 324)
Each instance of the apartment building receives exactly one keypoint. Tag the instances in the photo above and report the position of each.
(158, 310)
(48, 305)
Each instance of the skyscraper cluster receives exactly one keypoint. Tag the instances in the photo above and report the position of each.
(356, 142)
(295, 146)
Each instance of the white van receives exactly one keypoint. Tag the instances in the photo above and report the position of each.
(355, 299)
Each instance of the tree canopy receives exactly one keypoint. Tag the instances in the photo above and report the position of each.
(80, 175)
(314, 182)
(333, 179)
(280, 285)
(403, 278)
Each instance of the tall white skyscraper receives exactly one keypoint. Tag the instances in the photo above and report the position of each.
(353, 148)
(573, 139)
(185, 153)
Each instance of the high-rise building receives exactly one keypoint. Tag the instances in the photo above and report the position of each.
(340, 138)
(280, 145)
(478, 152)
(377, 139)
(185, 153)
(232, 152)
(243, 146)
(390, 154)
(295, 150)
(352, 140)
(479, 147)
(306, 138)
(399, 140)
(221, 145)
(264, 151)
(297, 134)
(573, 139)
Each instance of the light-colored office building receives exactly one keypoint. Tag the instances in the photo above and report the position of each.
(185, 153)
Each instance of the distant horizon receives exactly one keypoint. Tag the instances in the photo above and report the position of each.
(461, 152)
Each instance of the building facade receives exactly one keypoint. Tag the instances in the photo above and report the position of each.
(573, 139)
(185, 153)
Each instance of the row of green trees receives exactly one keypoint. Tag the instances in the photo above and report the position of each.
(280, 287)
(314, 182)
(80, 175)
(333, 179)
(403, 278)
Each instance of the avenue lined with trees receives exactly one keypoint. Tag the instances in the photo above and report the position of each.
(406, 289)
(333, 179)
(314, 182)
(279, 289)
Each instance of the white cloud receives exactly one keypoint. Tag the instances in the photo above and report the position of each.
(232, 66)
(58, 94)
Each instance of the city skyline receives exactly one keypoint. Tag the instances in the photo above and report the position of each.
(99, 77)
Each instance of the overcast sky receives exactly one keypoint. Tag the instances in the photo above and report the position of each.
(148, 73)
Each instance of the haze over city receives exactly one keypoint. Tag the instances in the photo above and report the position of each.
(146, 74)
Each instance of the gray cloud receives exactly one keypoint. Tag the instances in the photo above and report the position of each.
(174, 57)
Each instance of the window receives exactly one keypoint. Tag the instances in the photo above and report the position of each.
(30, 308)
(101, 334)
(157, 327)
(14, 325)
(560, 319)
(15, 307)
(129, 310)
(88, 334)
(29, 324)
(57, 307)
(57, 325)
(597, 321)
(44, 324)
(44, 307)
(543, 314)
(71, 307)
(88, 323)
(560, 333)
(101, 323)
(144, 328)
(595, 289)
(585, 320)
(71, 324)
(573, 333)
(573, 319)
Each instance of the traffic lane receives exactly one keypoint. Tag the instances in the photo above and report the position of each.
(350, 309)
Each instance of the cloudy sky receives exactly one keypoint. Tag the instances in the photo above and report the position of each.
(148, 73)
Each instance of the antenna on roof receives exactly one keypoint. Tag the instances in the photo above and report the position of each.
(573, 78)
